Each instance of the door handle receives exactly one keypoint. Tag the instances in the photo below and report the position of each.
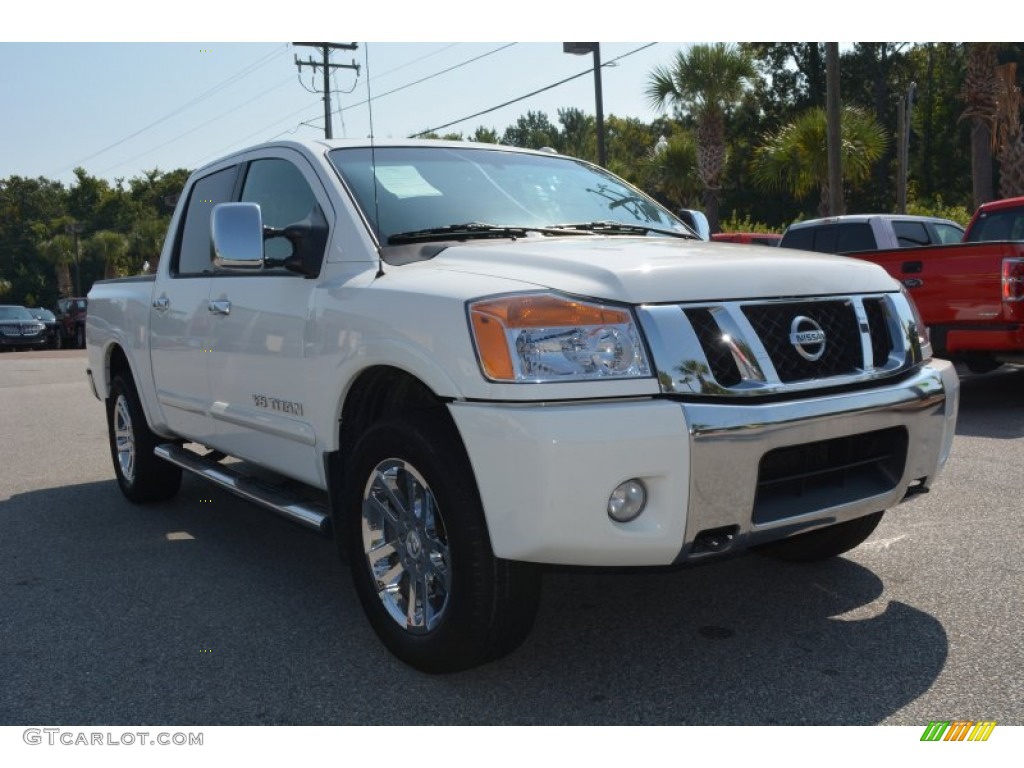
(913, 282)
(220, 307)
(913, 267)
(161, 304)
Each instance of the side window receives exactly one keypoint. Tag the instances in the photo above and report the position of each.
(855, 236)
(194, 249)
(284, 197)
(802, 239)
(947, 233)
(826, 239)
(910, 233)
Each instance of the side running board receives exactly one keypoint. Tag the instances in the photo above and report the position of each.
(307, 513)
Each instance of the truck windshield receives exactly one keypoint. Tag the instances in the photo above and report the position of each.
(404, 190)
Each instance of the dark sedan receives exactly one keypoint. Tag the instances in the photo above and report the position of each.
(47, 318)
(19, 330)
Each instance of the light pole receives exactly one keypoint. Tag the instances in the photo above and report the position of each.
(578, 49)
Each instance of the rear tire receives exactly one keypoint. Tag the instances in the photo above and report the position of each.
(141, 475)
(80, 337)
(420, 552)
(824, 543)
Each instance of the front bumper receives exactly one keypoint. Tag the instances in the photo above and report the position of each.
(23, 342)
(545, 471)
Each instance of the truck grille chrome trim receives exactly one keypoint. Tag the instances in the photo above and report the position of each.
(764, 347)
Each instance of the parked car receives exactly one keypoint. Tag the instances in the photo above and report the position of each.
(968, 290)
(47, 318)
(71, 314)
(749, 238)
(19, 330)
(870, 232)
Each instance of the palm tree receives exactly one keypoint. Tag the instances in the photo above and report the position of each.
(670, 170)
(1009, 137)
(110, 248)
(979, 93)
(59, 251)
(795, 158)
(705, 82)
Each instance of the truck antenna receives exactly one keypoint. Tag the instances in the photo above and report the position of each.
(373, 161)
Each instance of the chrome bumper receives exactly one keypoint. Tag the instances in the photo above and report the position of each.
(728, 443)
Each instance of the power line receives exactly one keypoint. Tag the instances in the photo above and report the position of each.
(436, 74)
(360, 103)
(531, 93)
(245, 71)
(178, 137)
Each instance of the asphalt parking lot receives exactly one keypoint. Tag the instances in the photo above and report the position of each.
(208, 610)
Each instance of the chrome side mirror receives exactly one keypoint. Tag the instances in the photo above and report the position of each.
(236, 236)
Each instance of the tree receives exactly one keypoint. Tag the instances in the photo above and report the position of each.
(579, 135)
(109, 249)
(671, 173)
(1008, 138)
(979, 93)
(59, 253)
(795, 159)
(533, 131)
(485, 135)
(705, 82)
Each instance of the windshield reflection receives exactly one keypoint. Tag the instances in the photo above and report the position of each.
(410, 189)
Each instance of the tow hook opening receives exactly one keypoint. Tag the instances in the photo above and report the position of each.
(917, 487)
(715, 539)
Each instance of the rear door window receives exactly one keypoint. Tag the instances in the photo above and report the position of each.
(854, 236)
(910, 234)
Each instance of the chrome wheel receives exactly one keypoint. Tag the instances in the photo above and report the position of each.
(125, 439)
(406, 546)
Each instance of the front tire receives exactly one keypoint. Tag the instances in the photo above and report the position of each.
(420, 552)
(141, 475)
(824, 543)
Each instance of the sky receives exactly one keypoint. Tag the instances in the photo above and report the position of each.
(77, 88)
(118, 109)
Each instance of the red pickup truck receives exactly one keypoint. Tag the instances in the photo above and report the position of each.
(970, 294)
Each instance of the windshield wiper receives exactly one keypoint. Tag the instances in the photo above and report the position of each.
(619, 227)
(472, 229)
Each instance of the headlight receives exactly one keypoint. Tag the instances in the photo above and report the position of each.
(545, 337)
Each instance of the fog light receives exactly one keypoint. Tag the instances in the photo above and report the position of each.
(627, 501)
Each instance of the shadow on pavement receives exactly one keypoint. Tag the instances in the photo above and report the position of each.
(112, 615)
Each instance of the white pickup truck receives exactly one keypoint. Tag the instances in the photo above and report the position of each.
(465, 361)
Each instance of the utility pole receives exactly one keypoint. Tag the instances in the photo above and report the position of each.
(904, 113)
(75, 228)
(834, 113)
(325, 49)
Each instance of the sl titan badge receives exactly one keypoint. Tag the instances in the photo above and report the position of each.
(807, 338)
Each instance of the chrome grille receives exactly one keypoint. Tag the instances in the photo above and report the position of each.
(720, 359)
(749, 348)
(842, 353)
(881, 341)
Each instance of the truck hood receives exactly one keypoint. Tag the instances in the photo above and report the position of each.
(648, 270)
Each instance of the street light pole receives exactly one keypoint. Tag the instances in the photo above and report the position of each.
(578, 49)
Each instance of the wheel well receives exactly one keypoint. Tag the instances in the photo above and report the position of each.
(117, 363)
(380, 392)
(376, 394)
